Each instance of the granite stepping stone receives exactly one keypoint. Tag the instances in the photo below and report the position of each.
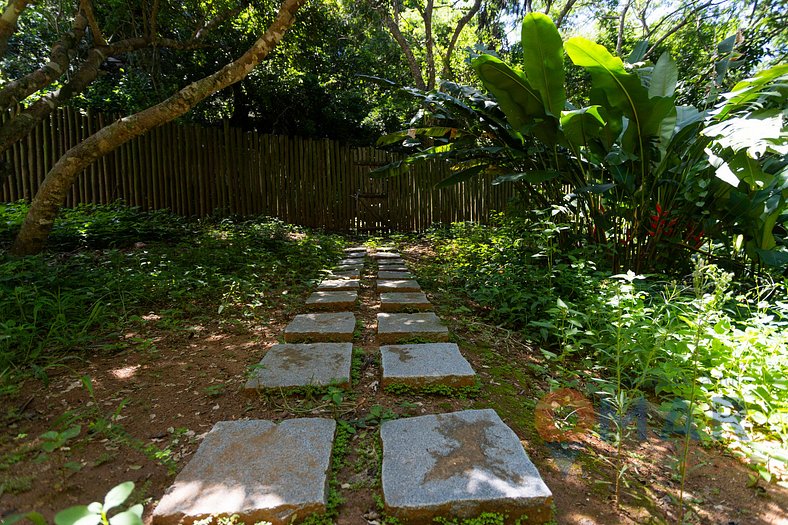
(385, 249)
(352, 262)
(403, 302)
(297, 365)
(335, 327)
(459, 464)
(391, 262)
(397, 285)
(333, 300)
(385, 255)
(396, 328)
(338, 284)
(393, 268)
(385, 274)
(423, 365)
(344, 274)
(349, 267)
(256, 469)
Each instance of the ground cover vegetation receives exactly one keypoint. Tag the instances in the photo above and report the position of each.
(110, 265)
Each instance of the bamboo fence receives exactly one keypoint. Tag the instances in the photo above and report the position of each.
(199, 171)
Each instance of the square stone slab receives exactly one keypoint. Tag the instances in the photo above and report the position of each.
(425, 364)
(395, 328)
(348, 267)
(390, 262)
(393, 268)
(460, 465)
(256, 469)
(385, 255)
(351, 262)
(355, 249)
(290, 366)
(333, 300)
(397, 285)
(344, 274)
(338, 284)
(403, 302)
(386, 274)
(335, 327)
(355, 255)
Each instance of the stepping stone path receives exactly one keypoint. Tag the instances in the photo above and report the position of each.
(398, 285)
(451, 465)
(329, 328)
(460, 464)
(397, 328)
(423, 365)
(394, 275)
(258, 470)
(339, 284)
(334, 300)
(297, 365)
(404, 302)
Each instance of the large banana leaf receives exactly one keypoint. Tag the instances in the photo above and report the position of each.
(581, 125)
(664, 77)
(622, 91)
(517, 98)
(543, 61)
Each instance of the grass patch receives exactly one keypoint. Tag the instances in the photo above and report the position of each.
(125, 264)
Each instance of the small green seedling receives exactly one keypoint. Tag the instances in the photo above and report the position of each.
(53, 439)
(97, 513)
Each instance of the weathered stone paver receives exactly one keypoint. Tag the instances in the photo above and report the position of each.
(459, 465)
(344, 274)
(385, 255)
(390, 262)
(351, 262)
(332, 300)
(386, 274)
(427, 364)
(338, 284)
(396, 328)
(397, 285)
(403, 302)
(256, 469)
(336, 327)
(348, 267)
(393, 268)
(355, 254)
(297, 365)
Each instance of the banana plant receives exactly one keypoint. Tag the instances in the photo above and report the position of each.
(636, 163)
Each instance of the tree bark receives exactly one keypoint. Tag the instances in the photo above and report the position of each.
(447, 73)
(59, 59)
(8, 21)
(53, 190)
(621, 25)
(413, 64)
(426, 15)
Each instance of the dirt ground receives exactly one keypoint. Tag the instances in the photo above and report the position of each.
(153, 401)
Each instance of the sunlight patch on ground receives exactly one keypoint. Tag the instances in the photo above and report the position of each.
(126, 372)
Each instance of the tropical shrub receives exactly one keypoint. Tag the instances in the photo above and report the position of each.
(630, 171)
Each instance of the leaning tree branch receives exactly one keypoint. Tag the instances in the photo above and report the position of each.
(564, 12)
(461, 23)
(621, 23)
(426, 15)
(87, 8)
(59, 59)
(687, 19)
(393, 27)
(8, 21)
(52, 192)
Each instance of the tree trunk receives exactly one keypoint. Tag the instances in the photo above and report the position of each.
(8, 21)
(52, 193)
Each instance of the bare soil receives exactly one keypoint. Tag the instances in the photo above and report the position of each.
(171, 384)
